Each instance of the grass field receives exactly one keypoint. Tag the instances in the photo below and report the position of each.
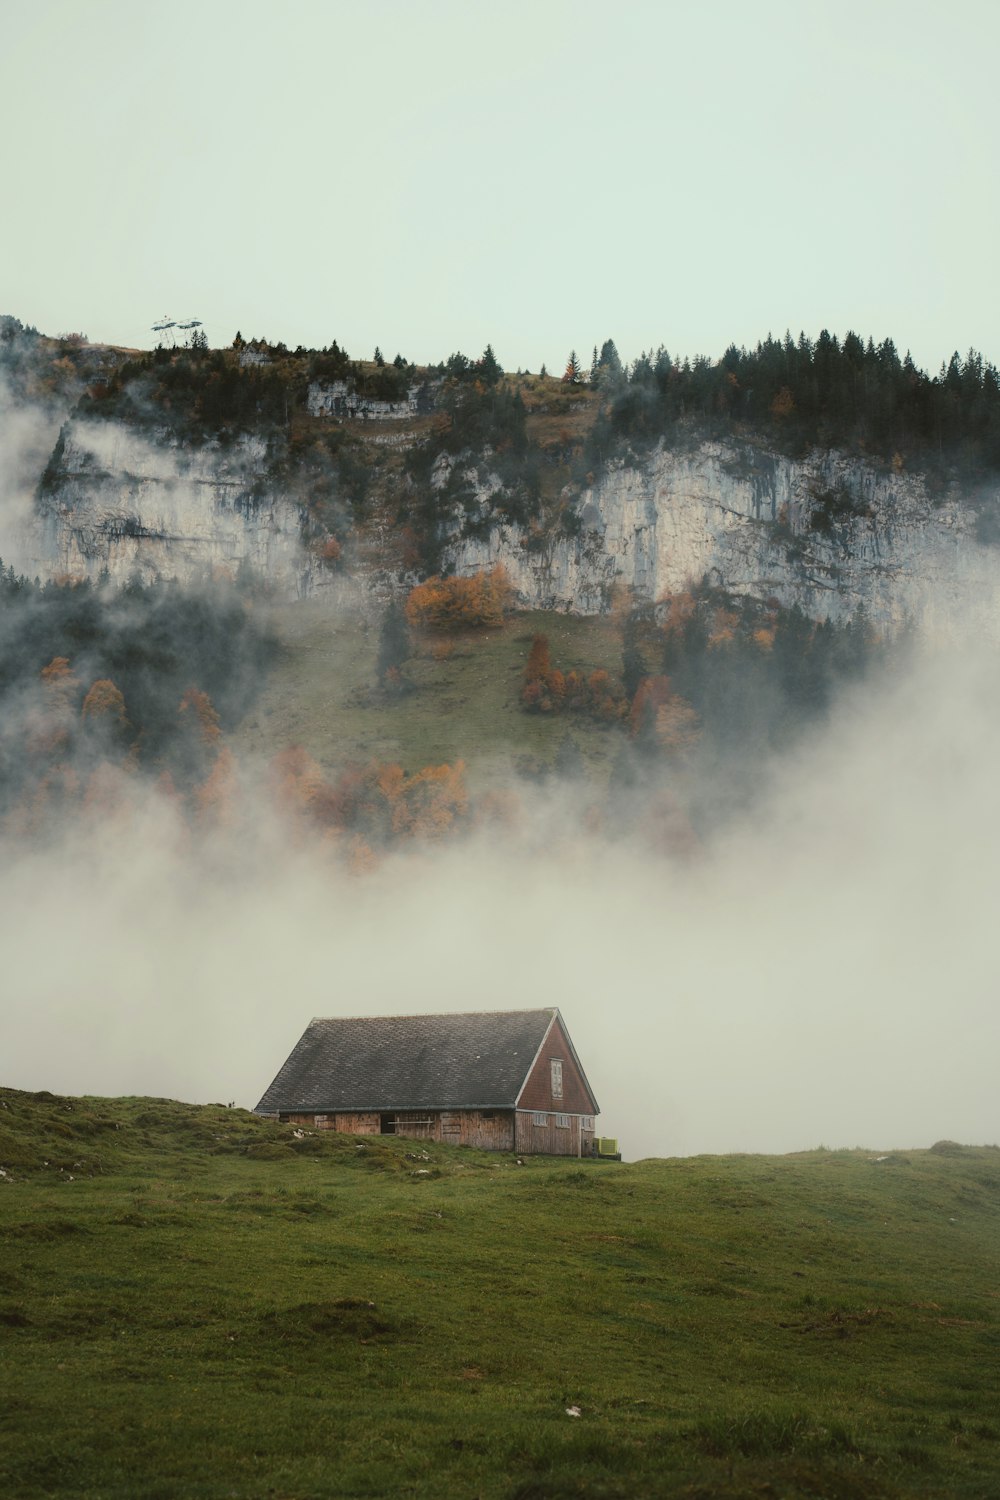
(197, 1303)
(462, 703)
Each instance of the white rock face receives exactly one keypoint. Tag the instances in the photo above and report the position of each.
(743, 517)
(123, 505)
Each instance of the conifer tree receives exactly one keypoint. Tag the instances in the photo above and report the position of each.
(393, 644)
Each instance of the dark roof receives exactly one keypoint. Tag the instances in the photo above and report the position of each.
(469, 1061)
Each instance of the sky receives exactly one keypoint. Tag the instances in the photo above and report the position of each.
(434, 176)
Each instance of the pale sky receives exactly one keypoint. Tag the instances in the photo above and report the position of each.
(432, 176)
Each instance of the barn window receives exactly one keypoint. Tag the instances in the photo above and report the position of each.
(557, 1078)
(539, 1119)
(586, 1122)
(320, 1119)
(562, 1121)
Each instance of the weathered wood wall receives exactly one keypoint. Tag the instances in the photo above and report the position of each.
(550, 1139)
(490, 1130)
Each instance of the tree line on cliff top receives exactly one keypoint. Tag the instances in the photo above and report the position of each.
(825, 391)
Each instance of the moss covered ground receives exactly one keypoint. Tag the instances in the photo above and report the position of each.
(197, 1303)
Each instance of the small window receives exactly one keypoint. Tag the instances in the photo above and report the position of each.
(562, 1121)
(320, 1119)
(539, 1119)
(586, 1122)
(557, 1078)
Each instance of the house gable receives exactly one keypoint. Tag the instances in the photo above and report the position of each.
(540, 1088)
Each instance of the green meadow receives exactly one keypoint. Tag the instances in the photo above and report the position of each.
(196, 1303)
(461, 699)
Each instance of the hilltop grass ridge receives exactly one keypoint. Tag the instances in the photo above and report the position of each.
(197, 1302)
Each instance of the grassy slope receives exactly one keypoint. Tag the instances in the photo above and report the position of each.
(194, 1302)
(320, 693)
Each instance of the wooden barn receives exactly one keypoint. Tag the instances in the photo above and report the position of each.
(500, 1080)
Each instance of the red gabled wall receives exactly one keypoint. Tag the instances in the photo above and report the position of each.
(537, 1093)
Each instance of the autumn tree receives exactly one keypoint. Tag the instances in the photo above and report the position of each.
(539, 663)
(546, 689)
(104, 720)
(197, 739)
(482, 599)
(572, 375)
(51, 723)
(652, 693)
(296, 780)
(104, 703)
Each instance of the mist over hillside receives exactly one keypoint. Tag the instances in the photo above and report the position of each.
(279, 739)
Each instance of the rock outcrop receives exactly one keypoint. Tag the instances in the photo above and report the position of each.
(113, 501)
(830, 533)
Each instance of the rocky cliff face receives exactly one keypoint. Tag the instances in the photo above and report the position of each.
(113, 501)
(829, 533)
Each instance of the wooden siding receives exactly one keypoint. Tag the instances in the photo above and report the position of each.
(490, 1130)
(550, 1139)
(366, 1124)
(537, 1091)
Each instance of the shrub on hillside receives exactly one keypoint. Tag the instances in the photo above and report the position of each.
(546, 689)
(449, 603)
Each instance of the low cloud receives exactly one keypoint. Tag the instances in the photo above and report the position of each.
(824, 971)
(27, 435)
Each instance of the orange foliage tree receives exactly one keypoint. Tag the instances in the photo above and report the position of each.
(105, 703)
(545, 689)
(205, 765)
(195, 712)
(372, 806)
(452, 603)
(661, 719)
(50, 725)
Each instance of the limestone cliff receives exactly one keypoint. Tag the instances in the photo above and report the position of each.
(830, 533)
(113, 500)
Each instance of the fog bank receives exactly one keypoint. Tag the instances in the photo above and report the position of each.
(824, 972)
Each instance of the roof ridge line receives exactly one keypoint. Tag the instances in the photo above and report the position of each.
(435, 1015)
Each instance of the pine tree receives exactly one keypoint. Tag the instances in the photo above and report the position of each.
(393, 645)
(489, 368)
(572, 375)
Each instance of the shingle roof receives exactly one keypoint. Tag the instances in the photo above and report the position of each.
(477, 1059)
